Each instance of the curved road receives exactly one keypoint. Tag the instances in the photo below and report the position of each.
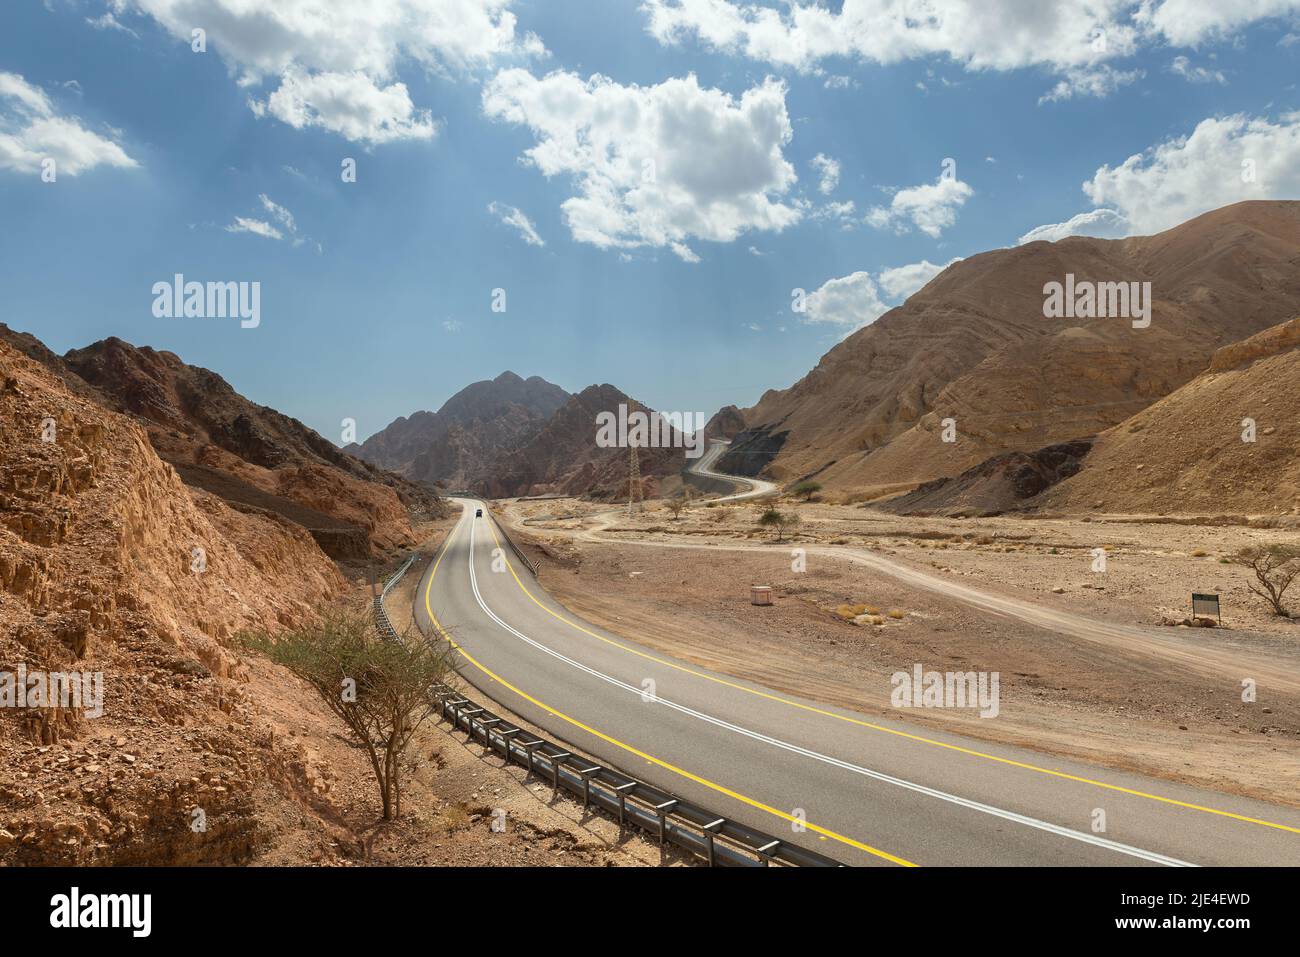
(750, 487)
(863, 791)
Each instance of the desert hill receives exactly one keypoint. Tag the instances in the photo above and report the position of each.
(240, 451)
(974, 345)
(1186, 453)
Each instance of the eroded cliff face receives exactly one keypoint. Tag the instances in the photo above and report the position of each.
(112, 567)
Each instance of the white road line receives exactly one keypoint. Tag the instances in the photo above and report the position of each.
(1056, 829)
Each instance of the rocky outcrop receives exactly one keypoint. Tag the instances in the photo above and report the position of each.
(753, 450)
(996, 485)
(726, 423)
(112, 566)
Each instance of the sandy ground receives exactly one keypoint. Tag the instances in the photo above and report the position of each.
(1171, 707)
(454, 791)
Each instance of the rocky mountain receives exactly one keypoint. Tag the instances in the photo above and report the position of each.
(973, 355)
(469, 430)
(240, 451)
(563, 457)
(511, 436)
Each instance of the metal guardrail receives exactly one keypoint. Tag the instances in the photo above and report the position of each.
(382, 622)
(528, 562)
(718, 841)
(629, 800)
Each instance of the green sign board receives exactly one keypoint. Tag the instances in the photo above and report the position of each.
(1206, 605)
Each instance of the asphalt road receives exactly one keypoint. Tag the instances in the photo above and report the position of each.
(746, 487)
(866, 791)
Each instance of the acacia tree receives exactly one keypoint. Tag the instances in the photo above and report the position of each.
(807, 489)
(678, 503)
(382, 690)
(1275, 568)
(771, 518)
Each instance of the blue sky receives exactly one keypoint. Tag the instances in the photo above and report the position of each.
(376, 295)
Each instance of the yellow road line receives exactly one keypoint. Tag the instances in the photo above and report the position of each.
(878, 727)
(627, 747)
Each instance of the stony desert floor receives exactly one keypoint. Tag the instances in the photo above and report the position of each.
(1093, 665)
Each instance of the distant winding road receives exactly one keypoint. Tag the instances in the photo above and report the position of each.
(747, 487)
(877, 791)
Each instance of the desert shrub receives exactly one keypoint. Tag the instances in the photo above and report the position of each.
(806, 490)
(380, 689)
(1276, 568)
(781, 521)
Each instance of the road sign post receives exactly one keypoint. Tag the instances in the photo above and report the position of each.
(1209, 604)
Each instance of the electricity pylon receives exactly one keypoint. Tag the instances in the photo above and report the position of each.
(633, 481)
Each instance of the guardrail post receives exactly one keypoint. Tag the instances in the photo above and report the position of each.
(469, 716)
(621, 791)
(505, 741)
(586, 784)
(455, 712)
(709, 831)
(556, 761)
(486, 725)
(530, 747)
(766, 851)
(662, 810)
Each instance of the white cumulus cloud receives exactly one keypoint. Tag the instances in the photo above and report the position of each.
(655, 166)
(1098, 82)
(829, 171)
(1100, 223)
(350, 104)
(32, 131)
(1073, 38)
(930, 207)
(859, 299)
(1188, 23)
(336, 63)
(852, 301)
(1223, 160)
(901, 281)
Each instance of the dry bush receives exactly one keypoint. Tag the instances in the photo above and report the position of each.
(1276, 568)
